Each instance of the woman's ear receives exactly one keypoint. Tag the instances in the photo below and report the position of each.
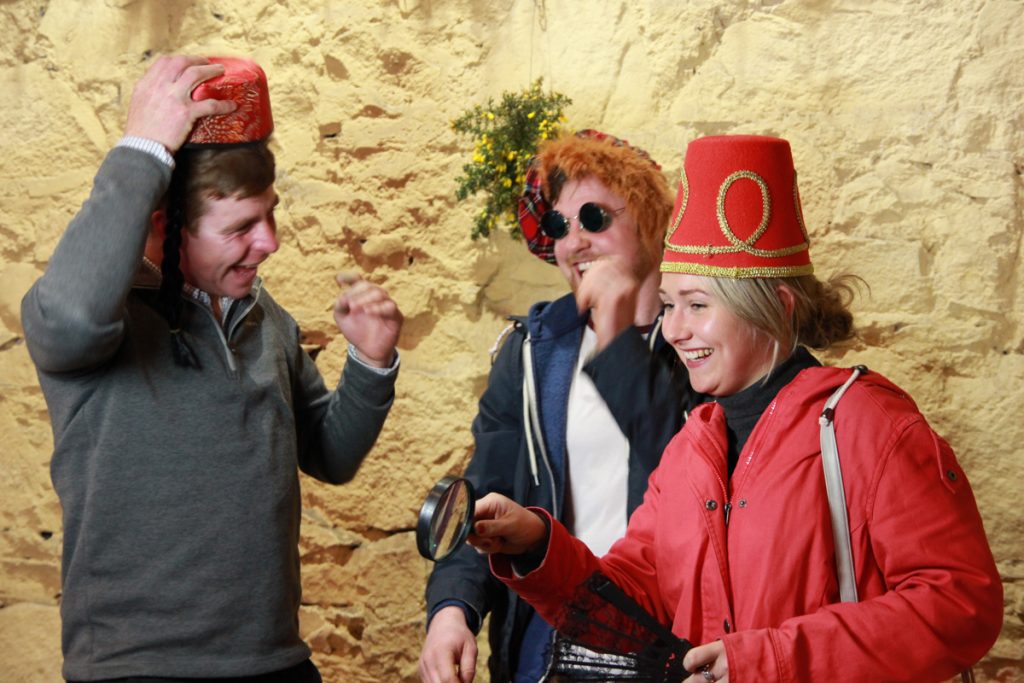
(787, 298)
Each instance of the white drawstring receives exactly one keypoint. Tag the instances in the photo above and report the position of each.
(655, 331)
(531, 423)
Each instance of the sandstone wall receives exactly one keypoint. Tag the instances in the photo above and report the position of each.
(906, 124)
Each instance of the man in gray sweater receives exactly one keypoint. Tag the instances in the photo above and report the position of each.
(182, 403)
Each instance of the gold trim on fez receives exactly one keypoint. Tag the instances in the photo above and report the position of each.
(799, 210)
(766, 210)
(685, 188)
(739, 245)
(735, 272)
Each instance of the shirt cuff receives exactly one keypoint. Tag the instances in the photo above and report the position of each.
(353, 353)
(148, 146)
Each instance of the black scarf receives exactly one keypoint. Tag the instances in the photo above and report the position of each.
(744, 408)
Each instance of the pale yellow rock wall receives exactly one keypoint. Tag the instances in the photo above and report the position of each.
(906, 122)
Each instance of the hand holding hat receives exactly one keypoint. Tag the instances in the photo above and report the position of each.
(162, 108)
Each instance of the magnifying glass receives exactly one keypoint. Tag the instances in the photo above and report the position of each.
(445, 518)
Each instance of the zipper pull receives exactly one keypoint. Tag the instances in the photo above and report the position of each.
(727, 508)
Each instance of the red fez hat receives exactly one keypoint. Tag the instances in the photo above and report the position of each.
(737, 213)
(244, 82)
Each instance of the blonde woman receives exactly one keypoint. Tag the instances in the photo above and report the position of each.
(733, 545)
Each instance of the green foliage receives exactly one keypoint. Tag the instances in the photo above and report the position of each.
(505, 137)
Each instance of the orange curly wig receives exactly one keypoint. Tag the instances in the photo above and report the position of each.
(625, 170)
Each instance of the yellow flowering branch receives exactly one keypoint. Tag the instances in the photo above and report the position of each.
(505, 136)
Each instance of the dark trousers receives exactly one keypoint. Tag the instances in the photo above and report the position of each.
(306, 672)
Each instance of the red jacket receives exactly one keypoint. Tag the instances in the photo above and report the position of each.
(765, 583)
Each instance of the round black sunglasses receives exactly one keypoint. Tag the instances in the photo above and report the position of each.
(592, 217)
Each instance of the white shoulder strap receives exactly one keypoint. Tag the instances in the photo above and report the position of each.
(837, 493)
(837, 501)
(493, 351)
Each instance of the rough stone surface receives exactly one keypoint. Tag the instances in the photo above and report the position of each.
(907, 129)
(30, 642)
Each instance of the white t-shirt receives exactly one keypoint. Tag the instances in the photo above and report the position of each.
(598, 458)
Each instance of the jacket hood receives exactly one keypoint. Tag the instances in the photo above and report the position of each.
(549, 319)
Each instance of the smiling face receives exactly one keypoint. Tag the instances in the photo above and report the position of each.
(723, 353)
(579, 248)
(220, 253)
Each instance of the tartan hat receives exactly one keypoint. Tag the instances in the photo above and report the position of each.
(533, 204)
(244, 82)
(737, 212)
(532, 207)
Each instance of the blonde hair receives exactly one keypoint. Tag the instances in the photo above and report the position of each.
(820, 316)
